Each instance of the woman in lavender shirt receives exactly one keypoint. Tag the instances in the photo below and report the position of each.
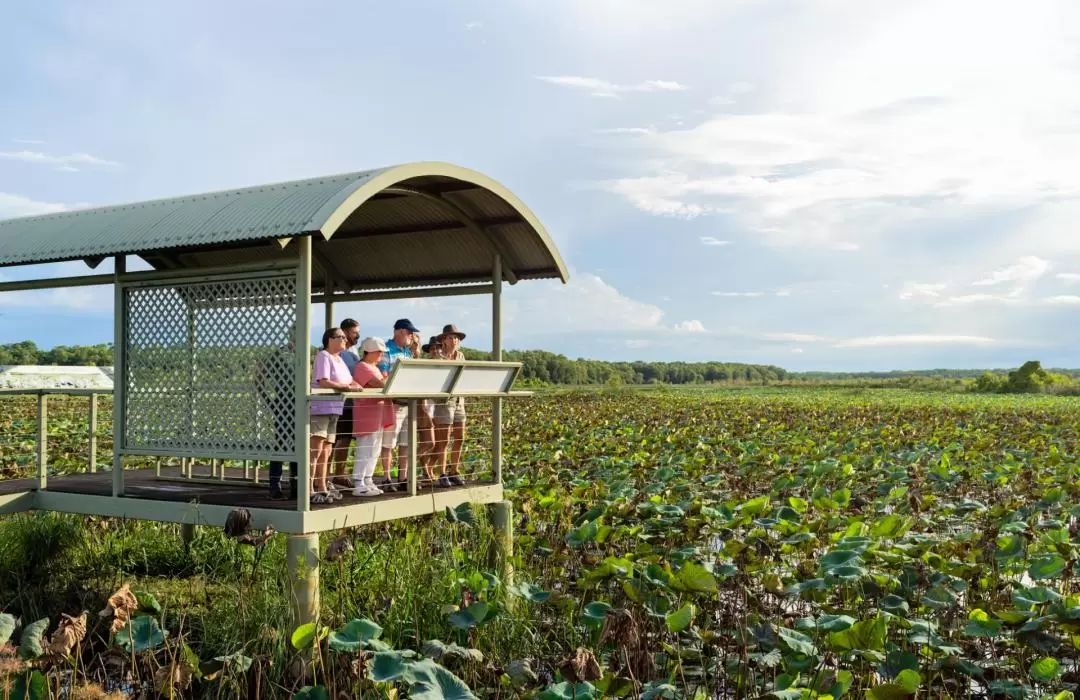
(330, 372)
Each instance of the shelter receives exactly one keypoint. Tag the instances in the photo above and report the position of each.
(211, 344)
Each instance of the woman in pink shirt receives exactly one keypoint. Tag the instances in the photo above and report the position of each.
(329, 372)
(370, 416)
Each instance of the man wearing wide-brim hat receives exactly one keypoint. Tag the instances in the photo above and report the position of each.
(450, 415)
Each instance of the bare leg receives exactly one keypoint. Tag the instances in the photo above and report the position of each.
(387, 457)
(459, 442)
(315, 457)
(442, 437)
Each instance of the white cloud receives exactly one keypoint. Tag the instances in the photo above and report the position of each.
(637, 343)
(692, 326)
(1069, 277)
(473, 25)
(797, 350)
(879, 341)
(627, 131)
(14, 205)
(783, 292)
(848, 141)
(969, 299)
(738, 294)
(912, 290)
(741, 88)
(1026, 269)
(795, 338)
(603, 88)
(67, 163)
(1064, 300)
(710, 240)
(28, 142)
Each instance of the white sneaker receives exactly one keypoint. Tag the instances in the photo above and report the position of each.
(366, 493)
(371, 487)
(361, 490)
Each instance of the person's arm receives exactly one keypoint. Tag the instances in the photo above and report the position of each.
(365, 379)
(322, 372)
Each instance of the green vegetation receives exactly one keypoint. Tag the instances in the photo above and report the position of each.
(771, 542)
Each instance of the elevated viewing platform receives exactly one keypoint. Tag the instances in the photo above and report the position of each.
(211, 380)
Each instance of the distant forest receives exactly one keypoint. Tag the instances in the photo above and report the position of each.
(541, 367)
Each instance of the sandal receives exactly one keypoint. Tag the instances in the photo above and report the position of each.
(321, 498)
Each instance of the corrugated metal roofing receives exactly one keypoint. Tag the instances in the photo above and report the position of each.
(373, 238)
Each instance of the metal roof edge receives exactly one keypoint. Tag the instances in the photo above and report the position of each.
(333, 214)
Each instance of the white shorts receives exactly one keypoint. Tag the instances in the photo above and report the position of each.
(368, 449)
(398, 435)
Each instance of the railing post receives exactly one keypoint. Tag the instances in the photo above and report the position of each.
(42, 441)
(93, 433)
(412, 446)
(119, 375)
(302, 385)
(496, 355)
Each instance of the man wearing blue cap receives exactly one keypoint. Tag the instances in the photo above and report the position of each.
(405, 343)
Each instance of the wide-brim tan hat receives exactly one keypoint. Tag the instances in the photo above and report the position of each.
(451, 329)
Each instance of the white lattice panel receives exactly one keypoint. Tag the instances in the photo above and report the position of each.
(209, 367)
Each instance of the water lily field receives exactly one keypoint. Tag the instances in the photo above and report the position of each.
(783, 543)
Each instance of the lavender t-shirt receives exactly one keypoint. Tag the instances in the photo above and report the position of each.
(333, 368)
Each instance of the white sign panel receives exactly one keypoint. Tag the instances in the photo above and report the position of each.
(484, 380)
(422, 379)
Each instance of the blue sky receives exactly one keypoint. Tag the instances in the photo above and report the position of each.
(826, 185)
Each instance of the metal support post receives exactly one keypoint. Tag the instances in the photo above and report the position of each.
(496, 355)
(502, 549)
(119, 375)
(303, 374)
(42, 441)
(157, 467)
(93, 433)
(247, 470)
(302, 552)
(413, 407)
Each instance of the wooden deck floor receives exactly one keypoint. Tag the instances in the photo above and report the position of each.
(144, 484)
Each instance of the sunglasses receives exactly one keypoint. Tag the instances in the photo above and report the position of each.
(337, 337)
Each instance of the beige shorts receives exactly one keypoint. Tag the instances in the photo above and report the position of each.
(450, 412)
(324, 427)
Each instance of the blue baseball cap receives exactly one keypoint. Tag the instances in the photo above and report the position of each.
(406, 324)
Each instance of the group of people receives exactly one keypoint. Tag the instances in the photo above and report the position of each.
(378, 426)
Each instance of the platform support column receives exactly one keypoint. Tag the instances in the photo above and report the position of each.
(303, 375)
(93, 433)
(187, 534)
(119, 375)
(302, 552)
(502, 548)
(42, 441)
(496, 355)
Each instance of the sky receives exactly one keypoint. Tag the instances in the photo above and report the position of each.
(833, 185)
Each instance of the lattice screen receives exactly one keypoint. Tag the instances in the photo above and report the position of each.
(210, 367)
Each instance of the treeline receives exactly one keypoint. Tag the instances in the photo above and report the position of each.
(28, 353)
(1030, 378)
(543, 367)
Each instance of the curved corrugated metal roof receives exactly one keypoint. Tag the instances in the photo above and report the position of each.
(415, 224)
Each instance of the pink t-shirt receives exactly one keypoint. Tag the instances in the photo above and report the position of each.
(333, 368)
(370, 415)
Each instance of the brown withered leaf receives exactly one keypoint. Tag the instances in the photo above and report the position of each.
(177, 676)
(581, 666)
(68, 634)
(620, 630)
(338, 548)
(120, 607)
(238, 523)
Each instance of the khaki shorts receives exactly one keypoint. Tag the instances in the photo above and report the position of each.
(397, 435)
(325, 427)
(450, 412)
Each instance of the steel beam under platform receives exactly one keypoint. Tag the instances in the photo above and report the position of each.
(148, 497)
